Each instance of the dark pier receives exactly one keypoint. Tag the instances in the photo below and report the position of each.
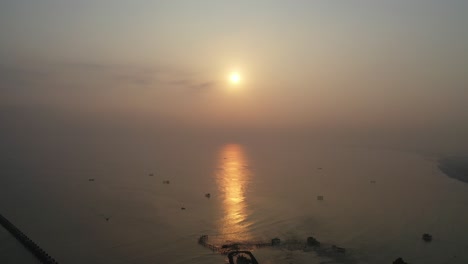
(37, 251)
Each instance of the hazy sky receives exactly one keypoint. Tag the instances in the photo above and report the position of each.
(390, 70)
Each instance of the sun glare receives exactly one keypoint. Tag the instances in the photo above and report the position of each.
(234, 78)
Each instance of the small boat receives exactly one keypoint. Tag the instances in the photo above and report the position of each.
(91, 179)
(241, 257)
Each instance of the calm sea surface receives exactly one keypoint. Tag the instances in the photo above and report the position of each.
(377, 204)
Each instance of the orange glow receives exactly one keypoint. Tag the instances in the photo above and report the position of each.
(234, 78)
(233, 180)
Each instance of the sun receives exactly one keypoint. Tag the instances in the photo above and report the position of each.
(234, 78)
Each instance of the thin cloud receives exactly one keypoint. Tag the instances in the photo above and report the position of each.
(16, 76)
(193, 85)
(203, 86)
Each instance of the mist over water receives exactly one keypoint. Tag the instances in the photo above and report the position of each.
(377, 204)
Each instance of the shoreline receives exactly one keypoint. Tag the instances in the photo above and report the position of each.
(455, 167)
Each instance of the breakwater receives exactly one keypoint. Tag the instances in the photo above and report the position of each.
(310, 244)
(226, 248)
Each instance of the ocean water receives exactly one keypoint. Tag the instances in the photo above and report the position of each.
(377, 204)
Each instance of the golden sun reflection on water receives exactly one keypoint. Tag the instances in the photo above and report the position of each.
(233, 179)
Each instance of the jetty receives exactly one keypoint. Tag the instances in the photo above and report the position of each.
(30, 245)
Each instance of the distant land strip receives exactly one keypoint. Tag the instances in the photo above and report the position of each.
(455, 167)
(37, 251)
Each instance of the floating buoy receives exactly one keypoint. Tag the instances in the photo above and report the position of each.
(275, 241)
(427, 237)
(399, 261)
